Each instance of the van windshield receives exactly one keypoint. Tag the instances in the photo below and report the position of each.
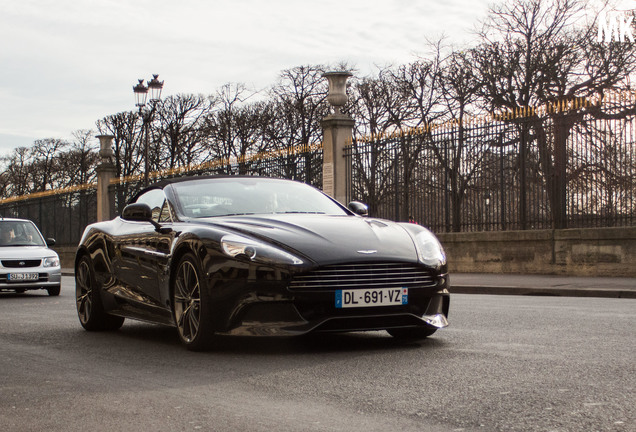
(19, 233)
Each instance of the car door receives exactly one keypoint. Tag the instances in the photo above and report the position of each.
(144, 251)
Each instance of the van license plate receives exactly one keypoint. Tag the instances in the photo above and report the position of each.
(22, 277)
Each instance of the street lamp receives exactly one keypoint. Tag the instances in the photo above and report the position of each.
(141, 95)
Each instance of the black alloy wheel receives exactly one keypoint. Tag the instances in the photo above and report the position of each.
(90, 310)
(191, 314)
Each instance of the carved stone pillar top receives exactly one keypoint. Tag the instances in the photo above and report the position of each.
(105, 149)
(337, 95)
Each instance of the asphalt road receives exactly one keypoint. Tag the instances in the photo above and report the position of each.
(506, 363)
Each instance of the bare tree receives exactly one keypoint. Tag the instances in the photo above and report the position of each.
(17, 172)
(372, 101)
(126, 131)
(77, 164)
(299, 101)
(387, 108)
(179, 122)
(461, 156)
(45, 163)
(418, 105)
(534, 53)
(302, 92)
(125, 127)
(222, 127)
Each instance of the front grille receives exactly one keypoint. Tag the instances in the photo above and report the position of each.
(21, 263)
(366, 275)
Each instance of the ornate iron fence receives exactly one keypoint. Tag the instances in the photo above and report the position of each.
(571, 164)
(63, 214)
(302, 163)
(568, 164)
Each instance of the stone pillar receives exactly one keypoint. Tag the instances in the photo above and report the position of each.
(105, 172)
(337, 131)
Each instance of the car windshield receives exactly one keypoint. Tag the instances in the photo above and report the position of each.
(19, 233)
(250, 196)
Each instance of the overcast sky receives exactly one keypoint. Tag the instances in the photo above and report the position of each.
(66, 63)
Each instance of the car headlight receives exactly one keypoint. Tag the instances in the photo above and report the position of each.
(429, 250)
(51, 262)
(234, 246)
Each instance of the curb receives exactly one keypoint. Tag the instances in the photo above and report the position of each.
(544, 291)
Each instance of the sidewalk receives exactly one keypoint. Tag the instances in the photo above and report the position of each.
(567, 286)
(514, 284)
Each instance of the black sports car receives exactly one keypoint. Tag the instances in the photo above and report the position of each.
(258, 256)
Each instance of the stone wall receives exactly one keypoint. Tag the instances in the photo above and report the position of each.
(67, 255)
(574, 252)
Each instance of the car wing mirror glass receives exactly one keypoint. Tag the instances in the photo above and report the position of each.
(140, 212)
(50, 242)
(359, 208)
(137, 212)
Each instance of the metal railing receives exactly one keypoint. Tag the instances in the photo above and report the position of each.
(565, 165)
(63, 214)
(302, 163)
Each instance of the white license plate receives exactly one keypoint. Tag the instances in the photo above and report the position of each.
(21, 277)
(371, 297)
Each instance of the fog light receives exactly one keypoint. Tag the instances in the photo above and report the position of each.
(437, 320)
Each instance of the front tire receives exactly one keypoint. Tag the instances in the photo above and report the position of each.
(190, 309)
(54, 291)
(90, 310)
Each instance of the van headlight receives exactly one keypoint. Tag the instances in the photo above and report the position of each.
(429, 250)
(51, 262)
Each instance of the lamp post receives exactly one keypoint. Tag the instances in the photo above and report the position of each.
(141, 95)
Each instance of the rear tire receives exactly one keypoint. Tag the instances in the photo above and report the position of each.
(90, 310)
(411, 333)
(190, 305)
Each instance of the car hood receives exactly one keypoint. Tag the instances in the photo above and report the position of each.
(328, 239)
(25, 252)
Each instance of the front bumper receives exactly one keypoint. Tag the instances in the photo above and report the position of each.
(267, 307)
(48, 277)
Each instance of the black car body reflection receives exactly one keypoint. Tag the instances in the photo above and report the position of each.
(258, 256)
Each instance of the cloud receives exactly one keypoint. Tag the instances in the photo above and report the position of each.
(71, 63)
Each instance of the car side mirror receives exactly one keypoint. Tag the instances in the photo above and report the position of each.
(138, 212)
(50, 242)
(359, 208)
